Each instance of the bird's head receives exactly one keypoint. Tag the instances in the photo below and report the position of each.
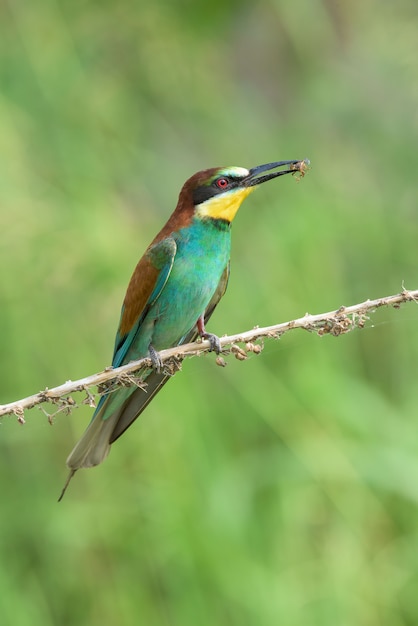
(217, 193)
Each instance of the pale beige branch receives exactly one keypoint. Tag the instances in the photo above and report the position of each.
(335, 323)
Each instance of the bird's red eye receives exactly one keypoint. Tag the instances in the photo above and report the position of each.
(222, 183)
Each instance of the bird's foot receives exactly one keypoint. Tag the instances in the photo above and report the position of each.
(214, 341)
(156, 361)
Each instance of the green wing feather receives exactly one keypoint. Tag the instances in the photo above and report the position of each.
(147, 282)
(139, 400)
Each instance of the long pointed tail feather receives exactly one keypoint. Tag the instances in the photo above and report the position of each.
(104, 429)
(137, 403)
(114, 414)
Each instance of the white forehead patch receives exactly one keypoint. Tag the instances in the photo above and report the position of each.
(235, 171)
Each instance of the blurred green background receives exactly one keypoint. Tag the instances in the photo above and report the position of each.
(282, 490)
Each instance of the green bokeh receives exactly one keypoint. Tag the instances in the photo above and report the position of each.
(282, 490)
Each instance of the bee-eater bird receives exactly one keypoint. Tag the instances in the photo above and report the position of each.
(172, 293)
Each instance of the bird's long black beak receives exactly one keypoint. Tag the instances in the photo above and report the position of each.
(294, 166)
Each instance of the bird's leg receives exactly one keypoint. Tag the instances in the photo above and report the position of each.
(156, 361)
(215, 343)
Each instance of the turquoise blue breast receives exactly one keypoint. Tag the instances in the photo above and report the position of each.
(203, 251)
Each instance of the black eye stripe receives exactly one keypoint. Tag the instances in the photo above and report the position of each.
(204, 192)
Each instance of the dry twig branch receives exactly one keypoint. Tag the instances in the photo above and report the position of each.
(334, 323)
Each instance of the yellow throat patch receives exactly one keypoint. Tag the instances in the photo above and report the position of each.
(224, 206)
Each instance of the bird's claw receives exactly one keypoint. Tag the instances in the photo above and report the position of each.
(214, 341)
(156, 361)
